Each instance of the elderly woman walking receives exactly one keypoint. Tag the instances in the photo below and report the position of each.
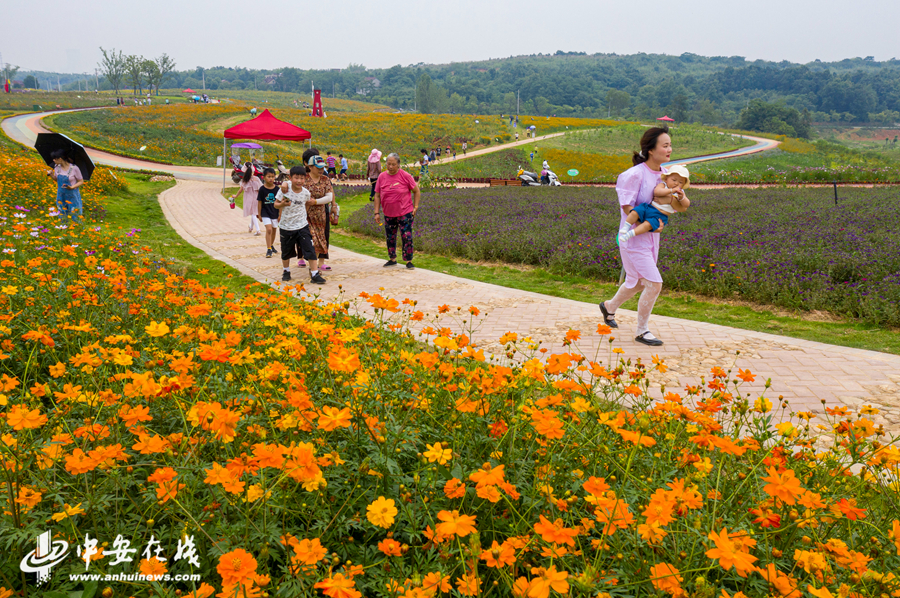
(397, 193)
(68, 179)
(640, 254)
(373, 170)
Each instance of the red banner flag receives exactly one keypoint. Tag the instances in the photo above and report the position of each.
(6, 86)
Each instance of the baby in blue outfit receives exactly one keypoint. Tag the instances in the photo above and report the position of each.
(668, 198)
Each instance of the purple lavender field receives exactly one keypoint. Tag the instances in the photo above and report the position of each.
(791, 248)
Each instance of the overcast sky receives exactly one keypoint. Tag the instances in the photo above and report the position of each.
(65, 36)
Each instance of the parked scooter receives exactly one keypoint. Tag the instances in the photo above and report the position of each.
(531, 179)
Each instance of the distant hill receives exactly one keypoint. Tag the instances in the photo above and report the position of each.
(713, 90)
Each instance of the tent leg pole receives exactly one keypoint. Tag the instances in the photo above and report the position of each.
(223, 165)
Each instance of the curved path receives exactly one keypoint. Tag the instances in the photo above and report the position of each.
(803, 372)
(25, 127)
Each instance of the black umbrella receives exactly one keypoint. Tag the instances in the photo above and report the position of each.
(47, 143)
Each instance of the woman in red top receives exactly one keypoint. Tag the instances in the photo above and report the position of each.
(397, 193)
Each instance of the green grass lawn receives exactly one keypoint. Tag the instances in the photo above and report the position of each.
(677, 305)
(139, 208)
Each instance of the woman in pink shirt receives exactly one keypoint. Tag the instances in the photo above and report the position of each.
(397, 193)
(639, 254)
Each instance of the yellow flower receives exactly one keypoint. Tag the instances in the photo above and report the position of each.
(382, 512)
(437, 453)
(762, 405)
(157, 329)
(10, 290)
(68, 512)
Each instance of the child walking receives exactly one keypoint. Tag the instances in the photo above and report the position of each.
(268, 213)
(296, 240)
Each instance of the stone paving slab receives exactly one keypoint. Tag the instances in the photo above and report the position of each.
(803, 372)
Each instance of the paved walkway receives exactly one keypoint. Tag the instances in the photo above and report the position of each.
(804, 372)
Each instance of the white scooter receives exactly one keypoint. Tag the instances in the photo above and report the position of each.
(531, 179)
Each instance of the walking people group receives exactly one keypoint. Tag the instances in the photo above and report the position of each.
(301, 211)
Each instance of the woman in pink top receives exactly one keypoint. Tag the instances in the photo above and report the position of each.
(250, 185)
(639, 254)
(398, 195)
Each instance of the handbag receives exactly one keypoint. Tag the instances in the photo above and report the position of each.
(335, 214)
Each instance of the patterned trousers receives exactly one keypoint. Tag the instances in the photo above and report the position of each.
(404, 223)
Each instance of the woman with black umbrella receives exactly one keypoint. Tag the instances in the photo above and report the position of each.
(68, 180)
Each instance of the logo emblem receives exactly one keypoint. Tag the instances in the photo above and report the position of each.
(47, 554)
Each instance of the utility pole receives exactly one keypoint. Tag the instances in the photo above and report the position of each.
(58, 86)
(312, 89)
(96, 80)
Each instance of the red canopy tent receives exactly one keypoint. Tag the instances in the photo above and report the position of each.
(266, 127)
(666, 118)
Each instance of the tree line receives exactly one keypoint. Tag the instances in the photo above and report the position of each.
(689, 88)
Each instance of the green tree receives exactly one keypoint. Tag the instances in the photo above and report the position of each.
(134, 71)
(150, 73)
(679, 108)
(616, 101)
(30, 82)
(164, 65)
(773, 118)
(112, 65)
(423, 94)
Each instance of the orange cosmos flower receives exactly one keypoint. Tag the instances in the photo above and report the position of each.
(454, 488)
(783, 485)
(152, 567)
(848, 509)
(435, 582)
(452, 523)
(331, 418)
(665, 578)
(822, 592)
(390, 547)
(660, 512)
(343, 360)
(729, 553)
(469, 584)
(236, 566)
(132, 415)
(338, 586)
(78, 462)
(156, 329)
(555, 532)
(382, 512)
(546, 580)
(309, 552)
(499, 555)
(22, 418)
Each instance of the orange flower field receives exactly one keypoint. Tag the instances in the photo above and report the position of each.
(187, 440)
